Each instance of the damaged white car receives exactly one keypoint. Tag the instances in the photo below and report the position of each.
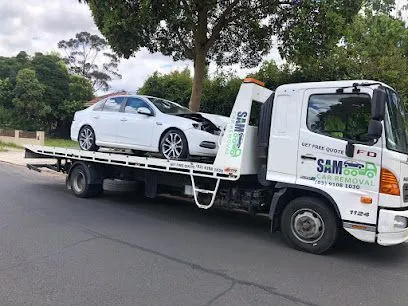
(148, 124)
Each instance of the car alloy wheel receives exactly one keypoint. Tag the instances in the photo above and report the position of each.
(87, 139)
(172, 146)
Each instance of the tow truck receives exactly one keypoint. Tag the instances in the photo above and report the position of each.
(285, 163)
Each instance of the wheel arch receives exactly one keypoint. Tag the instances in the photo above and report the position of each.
(284, 193)
(95, 172)
(169, 129)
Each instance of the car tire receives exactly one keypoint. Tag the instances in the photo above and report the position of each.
(173, 145)
(309, 224)
(87, 139)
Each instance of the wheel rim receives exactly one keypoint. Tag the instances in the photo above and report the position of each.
(86, 138)
(79, 182)
(172, 146)
(307, 225)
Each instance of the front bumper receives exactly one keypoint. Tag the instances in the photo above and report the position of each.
(390, 229)
(199, 142)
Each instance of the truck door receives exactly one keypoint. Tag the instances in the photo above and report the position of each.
(329, 120)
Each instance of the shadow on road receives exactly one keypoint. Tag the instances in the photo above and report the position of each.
(185, 213)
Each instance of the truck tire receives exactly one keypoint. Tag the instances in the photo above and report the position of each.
(310, 225)
(120, 185)
(78, 182)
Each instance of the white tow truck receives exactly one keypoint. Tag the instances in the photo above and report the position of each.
(317, 157)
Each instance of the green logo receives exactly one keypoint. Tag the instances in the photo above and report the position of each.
(353, 169)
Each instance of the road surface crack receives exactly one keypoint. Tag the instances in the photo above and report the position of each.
(218, 296)
(235, 281)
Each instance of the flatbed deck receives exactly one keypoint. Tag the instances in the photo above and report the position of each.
(119, 159)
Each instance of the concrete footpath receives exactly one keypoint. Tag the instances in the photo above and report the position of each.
(16, 157)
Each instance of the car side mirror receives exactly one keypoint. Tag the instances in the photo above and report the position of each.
(144, 111)
(378, 103)
(375, 129)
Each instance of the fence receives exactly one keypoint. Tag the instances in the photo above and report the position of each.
(22, 137)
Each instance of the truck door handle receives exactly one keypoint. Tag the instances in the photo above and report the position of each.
(123, 119)
(95, 117)
(308, 157)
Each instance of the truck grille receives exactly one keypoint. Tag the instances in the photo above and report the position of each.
(405, 192)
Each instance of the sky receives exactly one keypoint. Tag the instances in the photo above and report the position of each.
(38, 26)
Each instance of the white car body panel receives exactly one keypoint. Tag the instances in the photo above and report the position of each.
(141, 132)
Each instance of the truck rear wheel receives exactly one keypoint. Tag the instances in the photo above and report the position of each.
(78, 181)
(308, 224)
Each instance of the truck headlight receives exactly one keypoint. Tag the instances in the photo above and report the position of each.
(400, 222)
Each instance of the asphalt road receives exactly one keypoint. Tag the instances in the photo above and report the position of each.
(56, 249)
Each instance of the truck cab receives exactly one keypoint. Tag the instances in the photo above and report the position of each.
(345, 143)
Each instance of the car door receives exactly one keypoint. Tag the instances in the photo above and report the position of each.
(135, 129)
(329, 121)
(105, 122)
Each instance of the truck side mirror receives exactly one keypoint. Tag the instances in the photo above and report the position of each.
(375, 129)
(378, 103)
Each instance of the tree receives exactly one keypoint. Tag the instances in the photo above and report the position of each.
(28, 100)
(219, 91)
(6, 95)
(80, 91)
(86, 55)
(37, 92)
(175, 86)
(373, 46)
(223, 31)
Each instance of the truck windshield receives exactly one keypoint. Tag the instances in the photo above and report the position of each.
(396, 124)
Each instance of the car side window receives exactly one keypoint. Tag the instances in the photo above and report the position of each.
(98, 106)
(113, 104)
(133, 104)
(343, 116)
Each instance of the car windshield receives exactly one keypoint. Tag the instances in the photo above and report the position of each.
(396, 124)
(168, 107)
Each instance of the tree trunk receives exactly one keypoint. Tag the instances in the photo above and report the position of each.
(198, 80)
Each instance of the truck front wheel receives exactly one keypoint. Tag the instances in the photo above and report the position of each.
(308, 224)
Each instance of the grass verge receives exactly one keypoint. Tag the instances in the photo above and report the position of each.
(4, 146)
(63, 143)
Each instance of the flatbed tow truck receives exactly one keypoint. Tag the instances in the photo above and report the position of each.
(305, 163)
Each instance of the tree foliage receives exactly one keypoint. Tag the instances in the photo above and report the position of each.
(219, 91)
(374, 46)
(175, 86)
(226, 32)
(87, 55)
(28, 100)
(37, 93)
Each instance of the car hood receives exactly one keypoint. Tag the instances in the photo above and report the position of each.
(220, 121)
(214, 126)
